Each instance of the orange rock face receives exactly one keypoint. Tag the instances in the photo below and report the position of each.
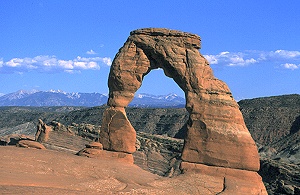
(117, 134)
(235, 181)
(30, 144)
(216, 133)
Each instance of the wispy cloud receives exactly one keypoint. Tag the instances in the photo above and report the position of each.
(1, 63)
(287, 59)
(91, 52)
(231, 59)
(45, 63)
(286, 54)
(290, 66)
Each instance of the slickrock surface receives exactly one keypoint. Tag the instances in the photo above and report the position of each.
(216, 132)
(32, 171)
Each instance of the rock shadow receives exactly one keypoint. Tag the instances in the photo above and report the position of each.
(181, 134)
(295, 126)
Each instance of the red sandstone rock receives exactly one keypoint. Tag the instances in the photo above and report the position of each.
(42, 132)
(13, 139)
(30, 144)
(95, 145)
(235, 181)
(33, 171)
(104, 154)
(216, 134)
(117, 134)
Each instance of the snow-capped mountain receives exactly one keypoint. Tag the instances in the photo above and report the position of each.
(52, 98)
(170, 96)
(148, 100)
(62, 98)
(19, 94)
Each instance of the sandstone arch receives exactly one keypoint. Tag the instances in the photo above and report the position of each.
(216, 133)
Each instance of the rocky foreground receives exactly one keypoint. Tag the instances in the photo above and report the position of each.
(160, 154)
(60, 165)
(32, 171)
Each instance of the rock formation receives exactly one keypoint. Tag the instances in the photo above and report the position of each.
(216, 133)
(95, 150)
(117, 134)
(42, 132)
(20, 140)
(30, 144)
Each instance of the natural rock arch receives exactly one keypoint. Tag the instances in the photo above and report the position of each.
(216, 132)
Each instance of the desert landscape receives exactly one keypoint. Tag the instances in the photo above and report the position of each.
(203, 149)
(157, 152)
(150, 97)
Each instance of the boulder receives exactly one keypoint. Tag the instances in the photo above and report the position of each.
(95, 145)
(30, 144)
(13, 139)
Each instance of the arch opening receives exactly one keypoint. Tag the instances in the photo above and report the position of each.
(155, 82)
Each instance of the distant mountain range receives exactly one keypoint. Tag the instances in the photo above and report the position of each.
(61, 98)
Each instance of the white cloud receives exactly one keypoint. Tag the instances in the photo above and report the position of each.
(1, 62)
(92, 65)
(287, 59)
(231, 59)
(45, 63)
(287, 54)
(91, 52)
(212, 59)
(66, 64)
(290, 66)
(224, 53)
(107, 61)
(14, 62)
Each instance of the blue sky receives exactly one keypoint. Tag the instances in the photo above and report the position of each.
(254, 46)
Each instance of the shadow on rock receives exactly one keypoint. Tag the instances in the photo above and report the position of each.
(295, 126)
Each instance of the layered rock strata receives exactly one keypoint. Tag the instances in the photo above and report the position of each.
(216, 133)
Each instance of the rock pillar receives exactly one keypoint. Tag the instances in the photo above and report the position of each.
(117, 134)
(42, 132)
